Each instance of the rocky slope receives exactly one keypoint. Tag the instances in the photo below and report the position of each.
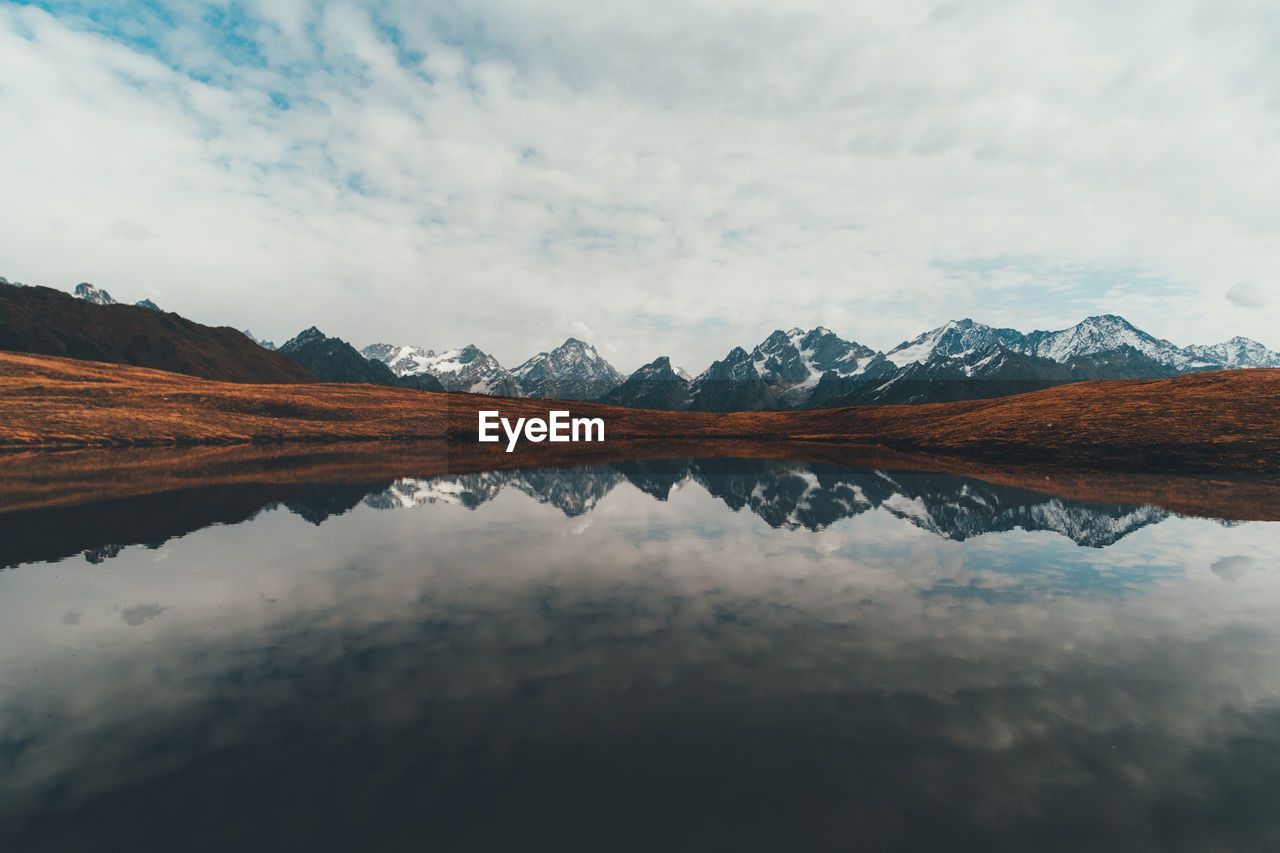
(335, 360)
(51, 322)
(571, 371)
(468, 368)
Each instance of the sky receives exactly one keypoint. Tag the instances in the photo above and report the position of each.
(658, 178)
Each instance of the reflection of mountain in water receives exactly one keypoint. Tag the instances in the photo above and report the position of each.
(796, 495)
(789, 495)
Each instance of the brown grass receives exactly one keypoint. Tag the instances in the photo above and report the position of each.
(1220, 421)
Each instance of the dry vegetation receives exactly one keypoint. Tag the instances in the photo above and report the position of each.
(1222, 421)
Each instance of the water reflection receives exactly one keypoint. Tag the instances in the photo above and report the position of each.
(768, 656)
(787, 495)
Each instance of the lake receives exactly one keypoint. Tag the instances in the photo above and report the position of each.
(689, 654)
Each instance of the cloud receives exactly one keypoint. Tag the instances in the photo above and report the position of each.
(1247, 295)
(1232, 568)
(452, 173)
(129, 231)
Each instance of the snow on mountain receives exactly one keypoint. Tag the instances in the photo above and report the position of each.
(956, 338)
(1237, 352)
(574, 491)
(467, 368)
(1091, 336)
(1103, 333)
(731, 384)
(264, 344)
(784, 369)
(797, 356)
(571, 371)
(466, 490)
(86, 291)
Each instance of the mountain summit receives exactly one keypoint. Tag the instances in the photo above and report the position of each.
(468, 368)
(571, 371)
(657, 385)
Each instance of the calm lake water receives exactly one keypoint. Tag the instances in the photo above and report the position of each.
(674, 655)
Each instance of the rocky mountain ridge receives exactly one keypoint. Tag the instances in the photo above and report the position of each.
(797, 368)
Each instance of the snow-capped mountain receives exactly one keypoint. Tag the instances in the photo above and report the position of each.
(86, 291)
(955, 338)
(799, 368)
(795, 361)
(467, 368)
(988, 370)
(264, 344)
(1105, 333)
(797, 356)
(571, 371)
(782, 370)
(1094, 335)
(1237, 352)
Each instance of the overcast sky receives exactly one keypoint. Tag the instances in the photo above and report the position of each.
(658, 178)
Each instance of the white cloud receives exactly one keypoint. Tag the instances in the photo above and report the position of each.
(681, 177)
(1247, 295)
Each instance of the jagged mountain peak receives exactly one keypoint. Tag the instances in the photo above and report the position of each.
(572, 371)
(86, 291)
(952, 338)
(656, 385)
(467, 368)
(660, 365)
(334, 360)
(262, 343)
(310, 333)
(1106, 320)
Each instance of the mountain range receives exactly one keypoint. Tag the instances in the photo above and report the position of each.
(794, 369)
(816, 368)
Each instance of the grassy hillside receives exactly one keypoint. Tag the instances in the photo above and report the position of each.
(1225, 420)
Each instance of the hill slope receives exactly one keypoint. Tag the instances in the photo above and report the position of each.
(44, 321)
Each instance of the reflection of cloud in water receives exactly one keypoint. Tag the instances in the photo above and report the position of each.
(135, 616)
(740, 685)
(1233, 568)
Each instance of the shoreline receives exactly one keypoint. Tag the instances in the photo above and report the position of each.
(1216, 422)
(45, 479)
